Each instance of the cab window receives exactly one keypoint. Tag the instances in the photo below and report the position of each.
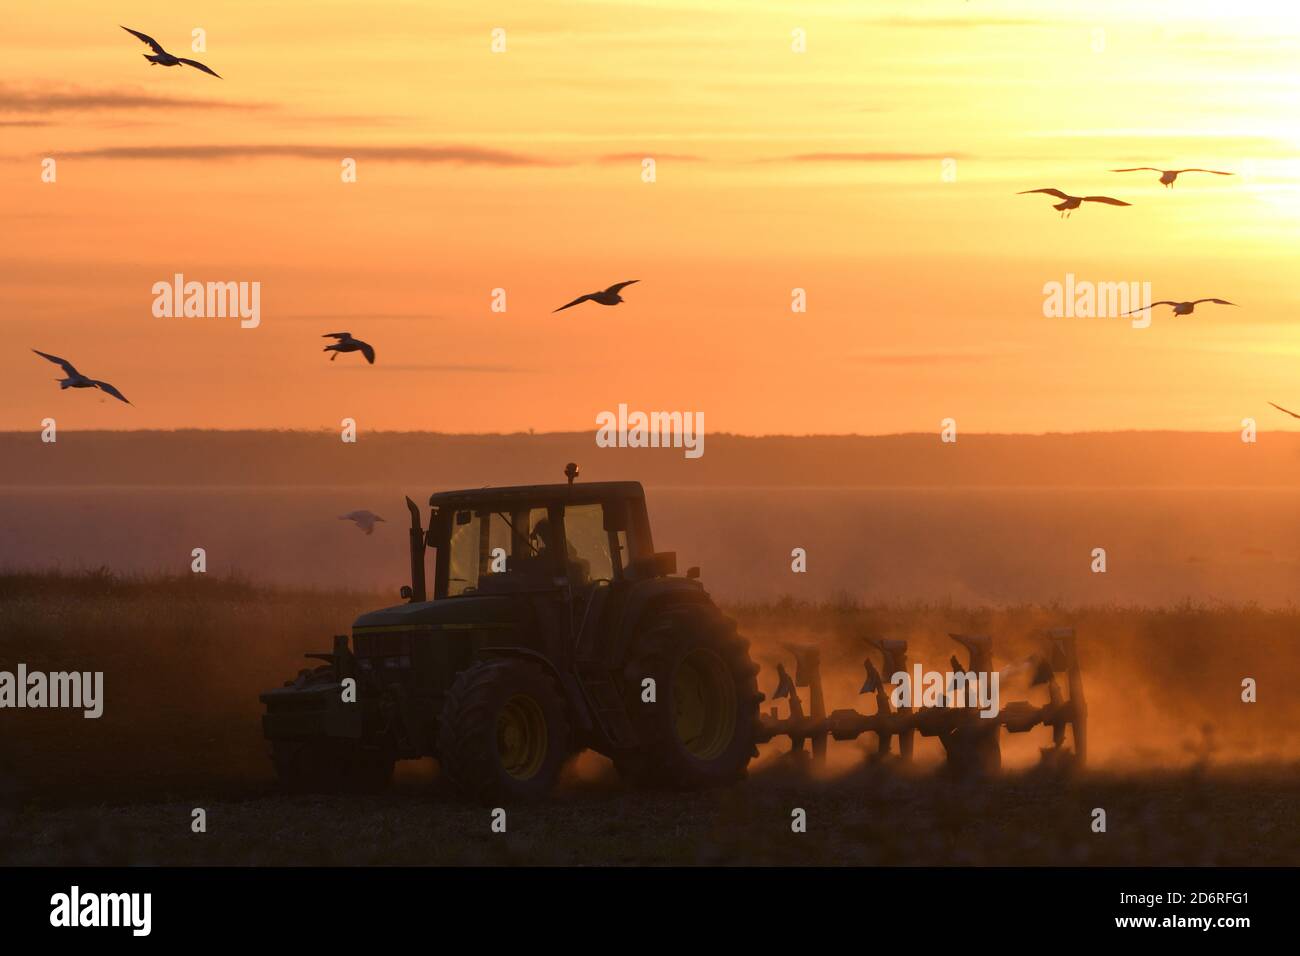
(473, 538)
(588, 541)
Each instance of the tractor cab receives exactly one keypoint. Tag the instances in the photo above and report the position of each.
(537, 537)
(529, 538)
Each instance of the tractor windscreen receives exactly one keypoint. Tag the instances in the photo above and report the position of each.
(520, 550)
(494, 550)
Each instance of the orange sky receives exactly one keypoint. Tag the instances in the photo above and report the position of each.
(521, 170)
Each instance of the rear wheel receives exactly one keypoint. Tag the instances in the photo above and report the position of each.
(699, 731)
(504, 733)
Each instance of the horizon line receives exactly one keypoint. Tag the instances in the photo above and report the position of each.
(324, 430)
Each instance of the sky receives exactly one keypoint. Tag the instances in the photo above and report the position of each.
(866, 153)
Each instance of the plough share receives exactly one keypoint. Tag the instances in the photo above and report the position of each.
(970, 739)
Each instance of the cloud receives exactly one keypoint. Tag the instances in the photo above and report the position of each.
(879, 157)
(934, 358)
(76, 99)
(25, 123)
(381, 367)
(364, 317)
(956, 23)
(461, 155)
(651, 154)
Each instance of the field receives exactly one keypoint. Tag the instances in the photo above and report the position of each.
(1186, 772)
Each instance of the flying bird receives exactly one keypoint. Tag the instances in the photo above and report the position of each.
(346, 343)
(365, 520)
(1167, 176)
(161, 57)
(1287, 410)
(1182, 308)
(608, 296)
(76, 380)
(1069, 203)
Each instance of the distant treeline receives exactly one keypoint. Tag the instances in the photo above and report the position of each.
(422, 459)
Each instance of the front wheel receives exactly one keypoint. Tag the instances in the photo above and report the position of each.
(504, 732)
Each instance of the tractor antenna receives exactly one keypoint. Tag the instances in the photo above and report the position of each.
(571, 472)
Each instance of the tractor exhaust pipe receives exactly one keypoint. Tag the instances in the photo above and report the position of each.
(418, 590)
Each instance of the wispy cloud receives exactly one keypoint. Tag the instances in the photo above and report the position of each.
(955, 23)
(363, 317)
(381, 367)
(875, 157)
(459, 155)
(649, 153)
(73, 99)
(887, 357)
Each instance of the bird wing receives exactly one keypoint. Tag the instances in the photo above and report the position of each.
(153, 44)
(197, 65)
(1051, 192)
(105, 387)
(581, 298)
(337, 335)
(621, 285)
(1287, 410)
(1138, 169)
(67, 366)
(1216, 172)
(368, 351)
(1215, 301)
(1107, 200)
(1152, 306)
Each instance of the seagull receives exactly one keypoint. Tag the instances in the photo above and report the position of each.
(1287, 410)
(161, 57)
(1167, 176)
(1069, 203)
(1182, 308)
(346, 343)
(76, 380)
(365, 520)
(608, 296)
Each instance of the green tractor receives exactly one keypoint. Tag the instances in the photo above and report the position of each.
(554, 626)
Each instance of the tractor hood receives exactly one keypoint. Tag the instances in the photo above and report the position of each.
(458, 613)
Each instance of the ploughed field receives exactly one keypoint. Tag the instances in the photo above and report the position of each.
(1186, 772)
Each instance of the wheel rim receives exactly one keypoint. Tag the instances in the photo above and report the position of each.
(704, 700)
(521, 737)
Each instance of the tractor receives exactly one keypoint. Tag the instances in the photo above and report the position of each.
(553, 626)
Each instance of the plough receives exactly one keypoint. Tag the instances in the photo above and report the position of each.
(970, 737)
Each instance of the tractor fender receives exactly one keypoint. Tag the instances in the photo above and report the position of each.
(645, 599)
(572, 691)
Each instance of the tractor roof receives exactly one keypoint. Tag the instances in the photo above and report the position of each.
(589, 493)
